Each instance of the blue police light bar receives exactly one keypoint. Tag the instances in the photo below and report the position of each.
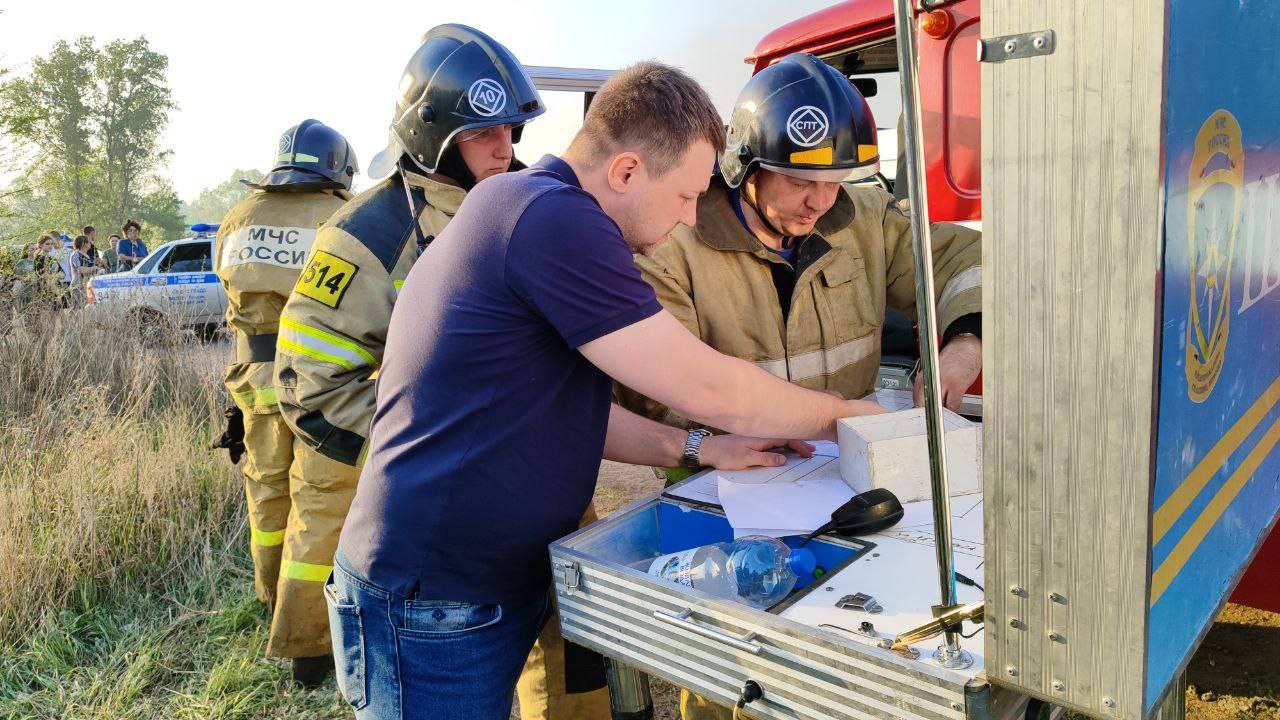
(205, 227)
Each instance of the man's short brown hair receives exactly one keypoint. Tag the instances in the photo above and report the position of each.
(654, 109)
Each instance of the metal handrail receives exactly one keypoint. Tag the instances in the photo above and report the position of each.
(922, 242)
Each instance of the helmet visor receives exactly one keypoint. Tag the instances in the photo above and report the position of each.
(477, 133)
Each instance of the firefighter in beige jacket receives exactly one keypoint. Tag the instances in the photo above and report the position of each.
(464, 100)
(262, 246)
(791, 268)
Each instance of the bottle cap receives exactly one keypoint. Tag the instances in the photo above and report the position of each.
(802, 561)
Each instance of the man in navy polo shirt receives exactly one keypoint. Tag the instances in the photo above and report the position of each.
(494, 403)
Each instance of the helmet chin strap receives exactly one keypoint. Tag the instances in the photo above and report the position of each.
(760, 213)
(419, 239)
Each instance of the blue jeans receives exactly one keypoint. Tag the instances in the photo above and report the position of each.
(400, 658)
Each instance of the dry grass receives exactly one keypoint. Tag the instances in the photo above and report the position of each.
(125, 584)
(105, 482)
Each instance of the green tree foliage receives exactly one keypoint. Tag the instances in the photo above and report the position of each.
(50, 110)
(86, 121)
(132, 103)
(212, 204)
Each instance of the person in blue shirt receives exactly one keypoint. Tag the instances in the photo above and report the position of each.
(132, 250)
(494, 403)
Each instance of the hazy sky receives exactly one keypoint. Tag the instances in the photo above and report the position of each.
(242, 72)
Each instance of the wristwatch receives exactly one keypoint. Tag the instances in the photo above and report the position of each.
(692, 446)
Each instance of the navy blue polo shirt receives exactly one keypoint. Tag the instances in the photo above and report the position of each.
(490, 425)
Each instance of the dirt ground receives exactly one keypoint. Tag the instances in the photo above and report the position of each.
(1236, 673)
(1234, 676)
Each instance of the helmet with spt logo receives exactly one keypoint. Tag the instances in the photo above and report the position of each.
(801, 117)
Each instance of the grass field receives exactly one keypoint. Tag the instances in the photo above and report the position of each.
(126, 589)
(125, 585)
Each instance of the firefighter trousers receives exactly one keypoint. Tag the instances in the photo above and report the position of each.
(560, 680)
(297, 501)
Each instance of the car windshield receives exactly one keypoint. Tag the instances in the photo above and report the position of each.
(150, 263)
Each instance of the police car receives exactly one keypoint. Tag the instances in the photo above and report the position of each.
(174, 287)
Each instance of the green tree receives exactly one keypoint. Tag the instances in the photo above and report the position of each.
(50, 110)
(158, 208)
(132, 102)
(82, 132)
(212, 204)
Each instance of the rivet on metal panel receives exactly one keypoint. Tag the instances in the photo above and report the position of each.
(1014, 47)
(1108, 702)
(1012, 671)
(1059, 686)
(1017, 591)
(1058, 598)
(1017, 624)
(1056, 637)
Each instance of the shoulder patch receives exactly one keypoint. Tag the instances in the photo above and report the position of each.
(326, 278)
(379, 219)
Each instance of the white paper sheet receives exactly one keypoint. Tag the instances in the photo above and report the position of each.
(702, 488)
(801, 498)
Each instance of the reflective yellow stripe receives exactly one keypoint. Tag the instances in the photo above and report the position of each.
(299, 156)
(260, 397)
(297, 349)
(816, 156)
(398, 284)
(1168, 570)
(321, 345)
(266, 539)
(1213, 461)
(309, 572)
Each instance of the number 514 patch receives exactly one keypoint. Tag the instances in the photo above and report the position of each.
(326, 278)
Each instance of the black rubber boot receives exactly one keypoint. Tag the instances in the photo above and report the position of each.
(310, 672)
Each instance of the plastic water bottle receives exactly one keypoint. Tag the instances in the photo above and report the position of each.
(756, 570)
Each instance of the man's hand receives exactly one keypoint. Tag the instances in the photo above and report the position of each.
(738, 452)
(959, 365)
(855, 408)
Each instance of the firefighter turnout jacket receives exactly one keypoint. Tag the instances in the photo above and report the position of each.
(721, 283)
(334, 327)
(262, 245)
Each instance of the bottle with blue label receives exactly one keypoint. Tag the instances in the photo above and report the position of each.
(755, 570)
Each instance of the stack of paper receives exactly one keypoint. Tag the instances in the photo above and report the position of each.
(794, 499)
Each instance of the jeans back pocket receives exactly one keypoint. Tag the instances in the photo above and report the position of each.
(347, 629)
(434, 617)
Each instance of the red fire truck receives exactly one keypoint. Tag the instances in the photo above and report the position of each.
(857, 36)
